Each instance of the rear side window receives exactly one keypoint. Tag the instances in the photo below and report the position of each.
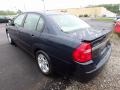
(19, 19)
(40, 24)
(31, 21)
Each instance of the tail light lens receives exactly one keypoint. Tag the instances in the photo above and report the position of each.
(83, 53)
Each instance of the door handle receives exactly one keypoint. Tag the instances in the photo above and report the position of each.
(32, 35)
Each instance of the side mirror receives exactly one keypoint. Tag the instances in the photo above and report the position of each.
(11, 22)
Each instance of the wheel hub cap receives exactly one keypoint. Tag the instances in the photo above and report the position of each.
(43, 63)
(9, 39)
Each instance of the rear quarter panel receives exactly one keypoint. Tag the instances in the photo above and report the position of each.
(56, 46)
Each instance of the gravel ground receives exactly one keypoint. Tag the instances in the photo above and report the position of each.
(109, 78)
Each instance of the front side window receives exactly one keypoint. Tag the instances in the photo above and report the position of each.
(69, 23)
(31, 21)
(18, 21)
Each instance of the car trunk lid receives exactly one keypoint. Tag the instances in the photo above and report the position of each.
(98, 38)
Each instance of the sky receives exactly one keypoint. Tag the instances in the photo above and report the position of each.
(37, 5)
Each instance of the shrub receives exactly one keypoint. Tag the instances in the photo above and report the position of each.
(85, 15)
(80, 15)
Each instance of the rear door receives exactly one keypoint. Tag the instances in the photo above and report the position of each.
(26, 33)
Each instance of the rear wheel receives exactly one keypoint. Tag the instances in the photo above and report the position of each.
(44, 62)
(9, 39)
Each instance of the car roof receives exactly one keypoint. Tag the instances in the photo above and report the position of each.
(48, 13)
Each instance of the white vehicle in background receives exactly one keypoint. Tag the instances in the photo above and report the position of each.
(117, 18)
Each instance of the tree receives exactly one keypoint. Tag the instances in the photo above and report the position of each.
(111, 7)
(7, 12)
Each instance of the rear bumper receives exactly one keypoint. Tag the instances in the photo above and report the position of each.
(91, 67)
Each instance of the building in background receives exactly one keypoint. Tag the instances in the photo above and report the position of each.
(90, 11)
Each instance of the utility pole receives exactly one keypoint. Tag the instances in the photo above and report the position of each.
(25, 7)
(44, 5)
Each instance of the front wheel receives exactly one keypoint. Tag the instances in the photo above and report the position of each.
(44, 62)
(9, 39)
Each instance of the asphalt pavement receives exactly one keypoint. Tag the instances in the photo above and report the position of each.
(18, 71)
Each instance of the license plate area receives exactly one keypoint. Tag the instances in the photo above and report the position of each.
(100, 48)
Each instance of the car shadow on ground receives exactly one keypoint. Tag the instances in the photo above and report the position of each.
(61, 82)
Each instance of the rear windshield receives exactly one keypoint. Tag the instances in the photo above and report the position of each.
(69, 23)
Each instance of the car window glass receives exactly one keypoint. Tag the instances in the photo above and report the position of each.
(18, 20)
(40, 24)
(31, 21)
(69, 23)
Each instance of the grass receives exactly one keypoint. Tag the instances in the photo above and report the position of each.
(105, 19)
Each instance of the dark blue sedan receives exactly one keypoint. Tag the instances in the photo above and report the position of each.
(60, 42)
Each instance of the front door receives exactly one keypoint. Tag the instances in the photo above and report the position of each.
(14, 27)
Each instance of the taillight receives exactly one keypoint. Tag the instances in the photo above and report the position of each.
(83, 53)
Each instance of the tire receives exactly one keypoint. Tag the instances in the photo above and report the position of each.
(10, 39)
(44, 62)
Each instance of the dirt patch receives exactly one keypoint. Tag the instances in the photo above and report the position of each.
(109, 78)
